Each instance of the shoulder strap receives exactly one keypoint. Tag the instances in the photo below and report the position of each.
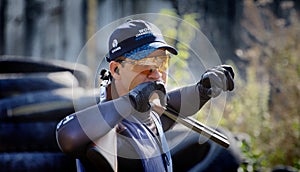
(166, 155)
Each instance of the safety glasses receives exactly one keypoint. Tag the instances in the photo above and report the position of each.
(149, 64)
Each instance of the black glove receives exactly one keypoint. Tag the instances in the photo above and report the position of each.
(140, 95)
(216, 80)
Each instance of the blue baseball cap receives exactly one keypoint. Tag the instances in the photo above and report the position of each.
(136, 39)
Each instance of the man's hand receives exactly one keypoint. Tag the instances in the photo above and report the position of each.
(140, 95)
(216, 80)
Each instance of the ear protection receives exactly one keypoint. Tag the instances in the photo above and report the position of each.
(116, 70)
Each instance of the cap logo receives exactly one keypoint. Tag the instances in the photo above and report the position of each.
(144, 31)
(115, 46)
(114, 43)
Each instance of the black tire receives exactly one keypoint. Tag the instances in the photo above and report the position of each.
(9, 64)
(37, 106)
(15, 84)
(34, 136)
(36, 162)
(44, 105)
(31, 106)
(204, 157)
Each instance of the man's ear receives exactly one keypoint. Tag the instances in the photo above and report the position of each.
(114, 69)
(117, 70)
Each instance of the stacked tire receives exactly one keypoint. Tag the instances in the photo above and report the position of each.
(34, 97)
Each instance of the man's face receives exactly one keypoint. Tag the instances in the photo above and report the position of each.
(134, 72)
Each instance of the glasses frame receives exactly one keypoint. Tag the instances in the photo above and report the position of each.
(144, 63)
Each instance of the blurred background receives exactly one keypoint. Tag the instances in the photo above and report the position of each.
(260, 38)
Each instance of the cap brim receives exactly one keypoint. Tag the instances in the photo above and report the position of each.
(147, 49)
(164, 45)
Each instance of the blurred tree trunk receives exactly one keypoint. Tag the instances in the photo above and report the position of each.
(58, 29)
(52, 24)
(15, 27)
(42, 29)
(74, 28)
(91, 30)
(2, 7)
(219, 20)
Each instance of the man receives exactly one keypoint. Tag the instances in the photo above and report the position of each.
(138, 62)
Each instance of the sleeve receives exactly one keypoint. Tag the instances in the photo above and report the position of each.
(76, 131)
(186, 101)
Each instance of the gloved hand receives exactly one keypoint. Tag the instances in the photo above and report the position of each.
(140, 95)
(216, 80)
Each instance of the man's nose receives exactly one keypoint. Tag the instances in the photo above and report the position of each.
(155, 74)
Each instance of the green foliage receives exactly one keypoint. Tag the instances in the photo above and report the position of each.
(253, 161)
(179, 33)
(246, 111)
(265, 102)
(283, 65)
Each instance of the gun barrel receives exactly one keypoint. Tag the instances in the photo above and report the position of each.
(197, 126)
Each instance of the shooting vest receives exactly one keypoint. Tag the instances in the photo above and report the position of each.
(151, 151)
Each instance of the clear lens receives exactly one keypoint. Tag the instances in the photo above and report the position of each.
(147, 65)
